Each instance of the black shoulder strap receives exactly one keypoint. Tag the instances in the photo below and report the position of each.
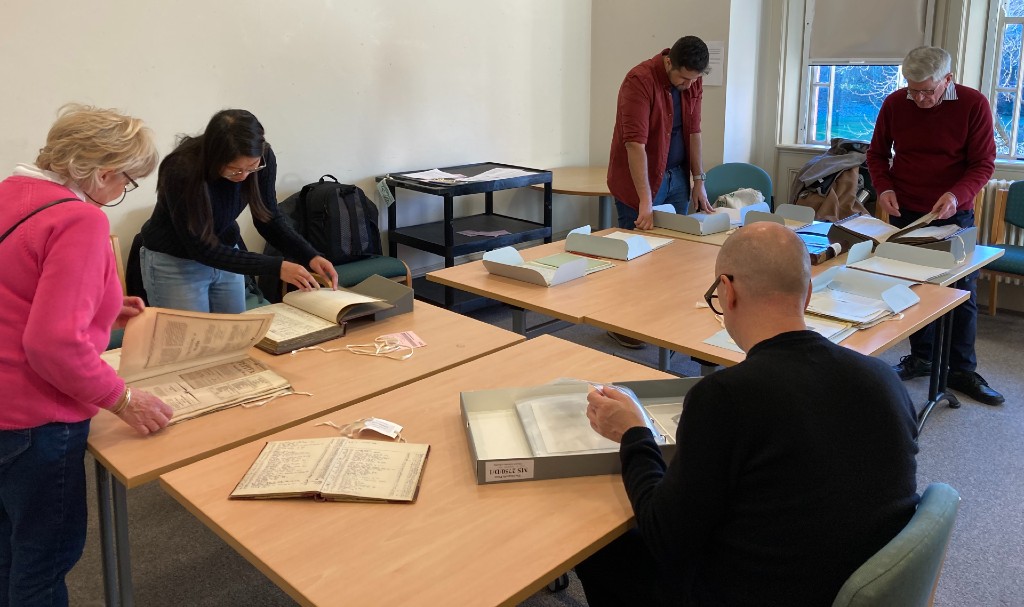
(22, 220)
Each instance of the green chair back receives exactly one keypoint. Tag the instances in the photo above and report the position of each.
(906, 570)
(731, 176)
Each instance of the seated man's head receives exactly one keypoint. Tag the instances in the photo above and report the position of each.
(764, 278)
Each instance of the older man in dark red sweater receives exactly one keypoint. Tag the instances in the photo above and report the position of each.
(939, 138)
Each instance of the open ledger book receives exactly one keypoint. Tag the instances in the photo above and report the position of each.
(305, 318)
(335, 469)
(197, 362)
(918, 232)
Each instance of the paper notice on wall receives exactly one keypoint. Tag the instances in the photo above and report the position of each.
(716, 64)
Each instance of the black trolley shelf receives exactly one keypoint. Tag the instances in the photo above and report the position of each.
(443, 238)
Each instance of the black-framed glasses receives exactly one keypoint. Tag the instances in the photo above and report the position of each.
(247, 172)
(128, 187)
(712, 294)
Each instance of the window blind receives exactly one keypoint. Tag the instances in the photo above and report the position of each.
(878, 32)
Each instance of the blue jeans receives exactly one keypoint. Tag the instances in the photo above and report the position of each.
(42, 511)
(183, 284)
(674, 190)
(962, 356)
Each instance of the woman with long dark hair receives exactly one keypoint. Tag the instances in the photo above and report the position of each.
(193, 257)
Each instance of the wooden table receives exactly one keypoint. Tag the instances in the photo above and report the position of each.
(460, 543)
(670, 319)
(585, 181)
(125, 460)
(569, 302)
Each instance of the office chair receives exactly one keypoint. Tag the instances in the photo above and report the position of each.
(1008, 209)
(731, 176)
(906, 571)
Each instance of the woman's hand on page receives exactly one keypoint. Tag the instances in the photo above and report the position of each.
(146, 413)
(325, 268)
(294, 274)
(130, 308)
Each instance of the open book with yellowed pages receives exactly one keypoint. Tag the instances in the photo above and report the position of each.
(335, 469)
(197, 362)
(305, 318)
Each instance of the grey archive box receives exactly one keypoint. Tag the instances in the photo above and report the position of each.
(501, 451)
(960, 244)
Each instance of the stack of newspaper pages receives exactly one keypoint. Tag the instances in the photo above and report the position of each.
(195, 362)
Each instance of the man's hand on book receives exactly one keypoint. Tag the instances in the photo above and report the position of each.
(887, 200)
(945, 206)
(146, 413)
(611, 412)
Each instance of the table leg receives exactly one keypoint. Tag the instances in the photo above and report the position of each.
(940, 370)
(107, 544)
(114, 543)
(519, 321)
(604, 212)
(664, 359)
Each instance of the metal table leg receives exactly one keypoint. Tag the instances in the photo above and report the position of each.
(604, 212)
(664, 359)
(107, 543)
(114, 543)
(940, 370)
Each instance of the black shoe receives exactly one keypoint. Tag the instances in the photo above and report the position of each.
(911, 366)
(626, 341)
(975, 386)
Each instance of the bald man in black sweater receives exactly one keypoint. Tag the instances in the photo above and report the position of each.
(792, 468)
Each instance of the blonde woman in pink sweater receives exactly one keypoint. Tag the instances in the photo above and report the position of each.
(61, 297)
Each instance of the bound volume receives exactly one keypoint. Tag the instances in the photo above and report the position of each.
(335, 469)
(305, 318)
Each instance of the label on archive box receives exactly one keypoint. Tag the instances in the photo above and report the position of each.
(385, 193)
(508, 470)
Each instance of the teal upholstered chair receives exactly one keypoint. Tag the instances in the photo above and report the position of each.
(731, 176)
(906, 571)
(1009, 209)
(355, 272)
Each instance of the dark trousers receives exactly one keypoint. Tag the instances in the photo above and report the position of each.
(625, 573)
(42, 511)
(965, 316)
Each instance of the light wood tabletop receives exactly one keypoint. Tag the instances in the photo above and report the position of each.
(585, 181)
(654, 298)
(460, 543)
(335, 380)
(570, 301)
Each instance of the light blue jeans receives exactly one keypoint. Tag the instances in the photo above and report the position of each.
(183, 284)
(674, 190)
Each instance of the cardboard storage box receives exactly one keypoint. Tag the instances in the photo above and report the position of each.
(501, 451)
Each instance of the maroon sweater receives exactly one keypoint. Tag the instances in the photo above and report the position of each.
(946, 148)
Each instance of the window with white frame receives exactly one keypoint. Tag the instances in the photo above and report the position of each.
(847, 75)
(843, 100)
(1007, 79)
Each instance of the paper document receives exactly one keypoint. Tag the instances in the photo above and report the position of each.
(900, 269)
(498, 173)
(433, 175)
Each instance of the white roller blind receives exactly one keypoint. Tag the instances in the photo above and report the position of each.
(870, 31)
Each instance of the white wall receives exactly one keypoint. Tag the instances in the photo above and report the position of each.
(625, 33)
(742, 80)
(355, 89)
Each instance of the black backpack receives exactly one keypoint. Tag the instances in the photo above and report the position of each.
(336, 218)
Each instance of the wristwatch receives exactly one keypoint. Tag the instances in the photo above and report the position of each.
(700, 177)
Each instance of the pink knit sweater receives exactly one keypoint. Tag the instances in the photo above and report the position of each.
(60, 295)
